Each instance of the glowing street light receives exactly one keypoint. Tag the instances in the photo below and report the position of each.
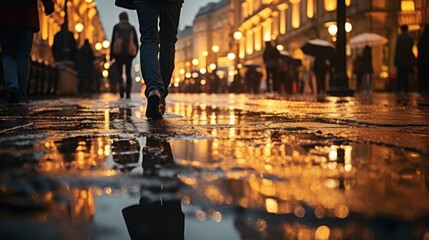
(79, 27)
(215, 48)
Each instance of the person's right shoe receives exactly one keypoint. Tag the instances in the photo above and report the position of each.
(12, 95)
(153, 109)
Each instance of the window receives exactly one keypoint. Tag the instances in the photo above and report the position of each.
(330, 5)
(407, 5)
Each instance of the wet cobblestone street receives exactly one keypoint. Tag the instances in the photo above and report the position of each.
(216, 167)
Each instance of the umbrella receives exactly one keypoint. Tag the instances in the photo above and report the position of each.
(318, 48)
(371, 39)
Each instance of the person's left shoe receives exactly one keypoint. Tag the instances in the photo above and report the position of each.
(153, 109)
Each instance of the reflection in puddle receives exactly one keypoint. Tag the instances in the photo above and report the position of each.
(218, 173)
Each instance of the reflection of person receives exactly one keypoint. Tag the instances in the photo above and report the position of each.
(123, 49)
(423, 61)
(271, 57)
(19, 20)
(85, 68)
(367, 69)
(404, 58)
(157, 71)
(64, 47)
(155, 219)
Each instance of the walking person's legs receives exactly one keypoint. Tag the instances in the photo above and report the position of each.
(148, 13)
(119, 65)
(128, 81)
(16, 45)
(169, 22)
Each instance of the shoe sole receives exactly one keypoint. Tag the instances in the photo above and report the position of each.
(152, 110)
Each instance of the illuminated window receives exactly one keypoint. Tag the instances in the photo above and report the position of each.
(310, 8)
(330, 5)
(242, 48)
(244, 8)
(250, 7)
(257, 4)
(296, 14)
(258, 37)
(267, 30)
(249, 42)
(407, 5)
(282, 18)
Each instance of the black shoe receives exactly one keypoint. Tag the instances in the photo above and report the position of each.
(153, 108)
(12, 96)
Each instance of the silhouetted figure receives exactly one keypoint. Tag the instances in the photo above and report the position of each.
(357, 71)
(404, 58)
(155, 217)
(123, 49)
(271, 57)
(320, 69)
(285, 83)
(423, 61)
(64, 47)
(367, 69)
(115, 78)
(85, 68)
(253, 80)
(19, 20)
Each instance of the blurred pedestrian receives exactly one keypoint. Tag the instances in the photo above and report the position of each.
(253, 79)
(271, 57)
(156, 41)
(320, 69)
(367, 69)
(423, 61)
(64, 48)
(404, 58)
(85, 68)
(357, 71)
(283, 76)
(19, 20)
(123, 50)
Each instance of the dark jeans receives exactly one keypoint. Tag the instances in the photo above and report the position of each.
(120, 61)
(16, 43)
(157, 71)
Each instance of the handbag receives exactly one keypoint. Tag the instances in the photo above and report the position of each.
(128, 4)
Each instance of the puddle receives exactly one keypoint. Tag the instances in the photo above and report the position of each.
(217, 173)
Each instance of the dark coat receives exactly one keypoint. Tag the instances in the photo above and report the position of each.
(62, 39)
(21, 13)
(271, 55)
(423, 47)
(367, 60)
(404, 56)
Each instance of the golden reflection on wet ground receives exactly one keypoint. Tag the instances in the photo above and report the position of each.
(268, 169)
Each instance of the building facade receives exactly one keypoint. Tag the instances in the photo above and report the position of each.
(290, 23)
(83, 20)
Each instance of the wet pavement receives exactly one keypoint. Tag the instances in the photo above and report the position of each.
(216, 167)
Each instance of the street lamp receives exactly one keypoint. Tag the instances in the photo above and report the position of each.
(339, 83)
